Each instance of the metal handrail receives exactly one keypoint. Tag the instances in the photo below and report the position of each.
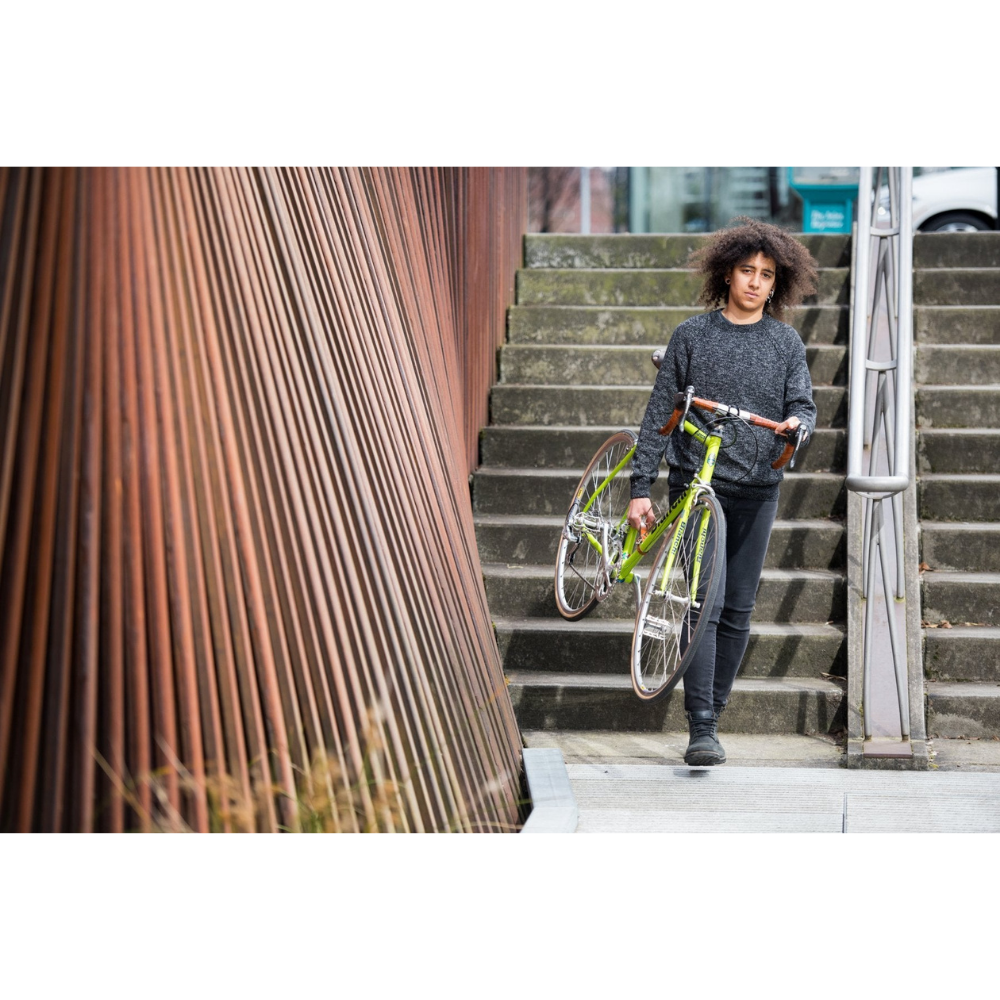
(863, 326)
(889, 408)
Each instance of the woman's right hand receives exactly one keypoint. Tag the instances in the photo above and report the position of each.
(640, 514)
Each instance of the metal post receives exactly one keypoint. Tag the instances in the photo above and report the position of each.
(883, 258)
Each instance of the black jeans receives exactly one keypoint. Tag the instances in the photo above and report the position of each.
(709, 678)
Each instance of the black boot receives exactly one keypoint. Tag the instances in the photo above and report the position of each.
(715, 733)
(704, 749)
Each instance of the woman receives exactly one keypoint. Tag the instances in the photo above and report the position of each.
(741, 354)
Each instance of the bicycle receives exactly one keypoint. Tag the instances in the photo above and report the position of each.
(598, 549)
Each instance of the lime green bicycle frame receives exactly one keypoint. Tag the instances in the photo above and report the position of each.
(632, 553)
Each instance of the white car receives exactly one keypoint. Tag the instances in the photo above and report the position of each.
(952, 200)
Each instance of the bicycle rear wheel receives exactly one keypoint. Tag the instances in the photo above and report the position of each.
(597, 514)
(671, 622)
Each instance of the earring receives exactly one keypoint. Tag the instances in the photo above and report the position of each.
(771, 296)
(727, 281)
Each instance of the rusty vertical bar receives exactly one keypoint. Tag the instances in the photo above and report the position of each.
(88, 605)
(103, 327)
(133, 595)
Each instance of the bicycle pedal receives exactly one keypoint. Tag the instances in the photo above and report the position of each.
(657, 628)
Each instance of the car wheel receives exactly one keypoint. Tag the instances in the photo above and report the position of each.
(956, 222)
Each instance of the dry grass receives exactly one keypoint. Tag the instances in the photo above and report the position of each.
(327, 799)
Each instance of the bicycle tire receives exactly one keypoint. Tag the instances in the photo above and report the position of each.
(668, 628)
(580, 583)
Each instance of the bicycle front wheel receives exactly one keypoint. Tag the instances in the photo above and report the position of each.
(596, 518)
(677, 600)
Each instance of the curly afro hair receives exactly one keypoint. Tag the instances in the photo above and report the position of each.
(795, 275)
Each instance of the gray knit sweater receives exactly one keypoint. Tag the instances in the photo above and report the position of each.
(759, 367)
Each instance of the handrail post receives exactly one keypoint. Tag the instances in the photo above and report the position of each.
(884, 641)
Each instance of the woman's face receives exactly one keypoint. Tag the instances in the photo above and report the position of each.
(750, 283)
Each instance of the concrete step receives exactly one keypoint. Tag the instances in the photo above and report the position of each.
(611, 287)
(958, 450)
(784, 595)
(961, 546)
(520, 540)
(956, 324)
(548, 492)
(957, 364)
(625, 250)
(541, 324)
(956, 249)
(564, 364)
(962, 654)
(583, 406)
(965, 757)
(962, 598)
(971, 286)
(958, 406)
(595, 701)
(603, 646)
(573, 447)
(958, 497)
(968, 709)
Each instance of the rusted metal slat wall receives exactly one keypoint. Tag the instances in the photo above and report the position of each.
(239, 584)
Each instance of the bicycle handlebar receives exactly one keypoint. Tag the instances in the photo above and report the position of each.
(683, 401)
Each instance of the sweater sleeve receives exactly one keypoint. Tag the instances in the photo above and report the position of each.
(651, 445)
(798, 387)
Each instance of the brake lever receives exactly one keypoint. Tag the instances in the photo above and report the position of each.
(675, 420)
(688, 396)
(801, 441)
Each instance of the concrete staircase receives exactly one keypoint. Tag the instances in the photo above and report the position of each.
(589, 312)
(957, 369)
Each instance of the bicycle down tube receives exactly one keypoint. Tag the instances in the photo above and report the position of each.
(682, 508)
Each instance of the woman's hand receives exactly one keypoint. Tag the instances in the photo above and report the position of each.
(787, 425)
(640, 514)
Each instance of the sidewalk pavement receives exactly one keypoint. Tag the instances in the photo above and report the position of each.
(638, 783)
